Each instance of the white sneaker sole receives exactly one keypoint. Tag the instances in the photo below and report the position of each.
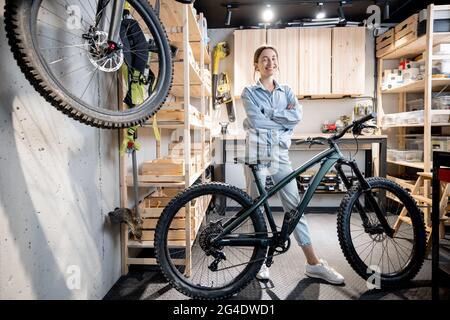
(312, 275)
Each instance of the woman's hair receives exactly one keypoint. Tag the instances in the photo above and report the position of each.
(258, 53)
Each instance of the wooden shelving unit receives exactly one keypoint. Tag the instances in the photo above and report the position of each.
(421, 45)
(416, 47)
(180, 22)
(419, 86)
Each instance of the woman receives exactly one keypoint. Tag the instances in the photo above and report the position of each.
(272, 113)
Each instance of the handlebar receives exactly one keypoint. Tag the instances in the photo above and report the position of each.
(357, 124)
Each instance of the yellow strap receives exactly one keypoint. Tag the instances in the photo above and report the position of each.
(155, 129)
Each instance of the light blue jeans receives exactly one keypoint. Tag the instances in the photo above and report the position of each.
(277, 168)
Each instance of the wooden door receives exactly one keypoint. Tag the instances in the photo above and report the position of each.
(245, 44)
(348, 61)
(314, 69)
(286, 43)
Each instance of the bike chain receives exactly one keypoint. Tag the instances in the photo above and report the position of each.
(251, 261)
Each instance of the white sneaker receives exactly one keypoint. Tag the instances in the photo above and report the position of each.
(324, 271)
(263, 273)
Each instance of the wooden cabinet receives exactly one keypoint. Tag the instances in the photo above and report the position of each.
(286, 43)
(245, 44)
(314, 67)
(320, 62)
(348, 61)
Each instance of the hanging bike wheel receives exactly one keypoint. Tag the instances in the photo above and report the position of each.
(387, 261)
(63, 52)
(215, 272)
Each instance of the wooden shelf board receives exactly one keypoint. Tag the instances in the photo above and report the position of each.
(195, 90)
(178, 75)
(171, 14)
(412, 125)
(418, 165)
(194, 176)
(196, 47)
(151, 244)
(404, 183)
(416, 47)
(419, 86)
(174, 125)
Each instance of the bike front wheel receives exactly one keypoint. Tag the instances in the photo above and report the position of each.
(200, 270)
(63, 50)
(383, 260)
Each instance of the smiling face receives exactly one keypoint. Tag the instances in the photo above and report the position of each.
(267, 63)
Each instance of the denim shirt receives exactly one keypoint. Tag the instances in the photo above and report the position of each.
(267, 115)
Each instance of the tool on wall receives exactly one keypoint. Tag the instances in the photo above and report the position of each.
(221, 86)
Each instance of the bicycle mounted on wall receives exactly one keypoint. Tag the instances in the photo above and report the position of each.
(74, 54)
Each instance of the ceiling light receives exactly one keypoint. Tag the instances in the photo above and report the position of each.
(232, 6)
(342, 20)
(386, 10)
(320, 13)
(268, 14)
(228, 17)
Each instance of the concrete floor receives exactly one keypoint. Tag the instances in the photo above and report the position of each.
(288, 281)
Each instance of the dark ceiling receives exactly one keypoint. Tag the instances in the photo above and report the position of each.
(247, 12)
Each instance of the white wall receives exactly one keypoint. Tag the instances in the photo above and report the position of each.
(315, 112)
(58, 181)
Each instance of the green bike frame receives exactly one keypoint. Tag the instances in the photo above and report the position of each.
(327, 158)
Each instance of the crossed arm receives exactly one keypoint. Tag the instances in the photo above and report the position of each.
(286, 118)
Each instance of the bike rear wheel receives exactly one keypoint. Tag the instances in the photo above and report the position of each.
(216, 273)
(376, 257)
(73, 67)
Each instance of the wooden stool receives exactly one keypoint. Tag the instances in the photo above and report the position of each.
(421, 199)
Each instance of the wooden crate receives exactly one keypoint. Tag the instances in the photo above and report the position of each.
(385, 43)
(406, 31)
(177, 114)
(163, 167)
(177, 231)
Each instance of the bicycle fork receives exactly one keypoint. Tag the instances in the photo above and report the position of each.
(368, 197)
(114, 20)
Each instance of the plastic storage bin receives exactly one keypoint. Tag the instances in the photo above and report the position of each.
(405, 155)
(414, 105)
(414, 142)
(440, 143)
(441, 103)
(413, 155)
(437, 117)
(389, 119)
(412, 117)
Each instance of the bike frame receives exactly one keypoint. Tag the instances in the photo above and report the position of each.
(328, 158)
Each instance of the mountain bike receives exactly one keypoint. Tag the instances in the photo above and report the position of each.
(380, 228)
(74, 52)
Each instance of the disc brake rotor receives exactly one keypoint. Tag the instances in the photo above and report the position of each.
(106, 57)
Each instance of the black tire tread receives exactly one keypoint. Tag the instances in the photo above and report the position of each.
(346, 246)
(167, 216)
(23, 54)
